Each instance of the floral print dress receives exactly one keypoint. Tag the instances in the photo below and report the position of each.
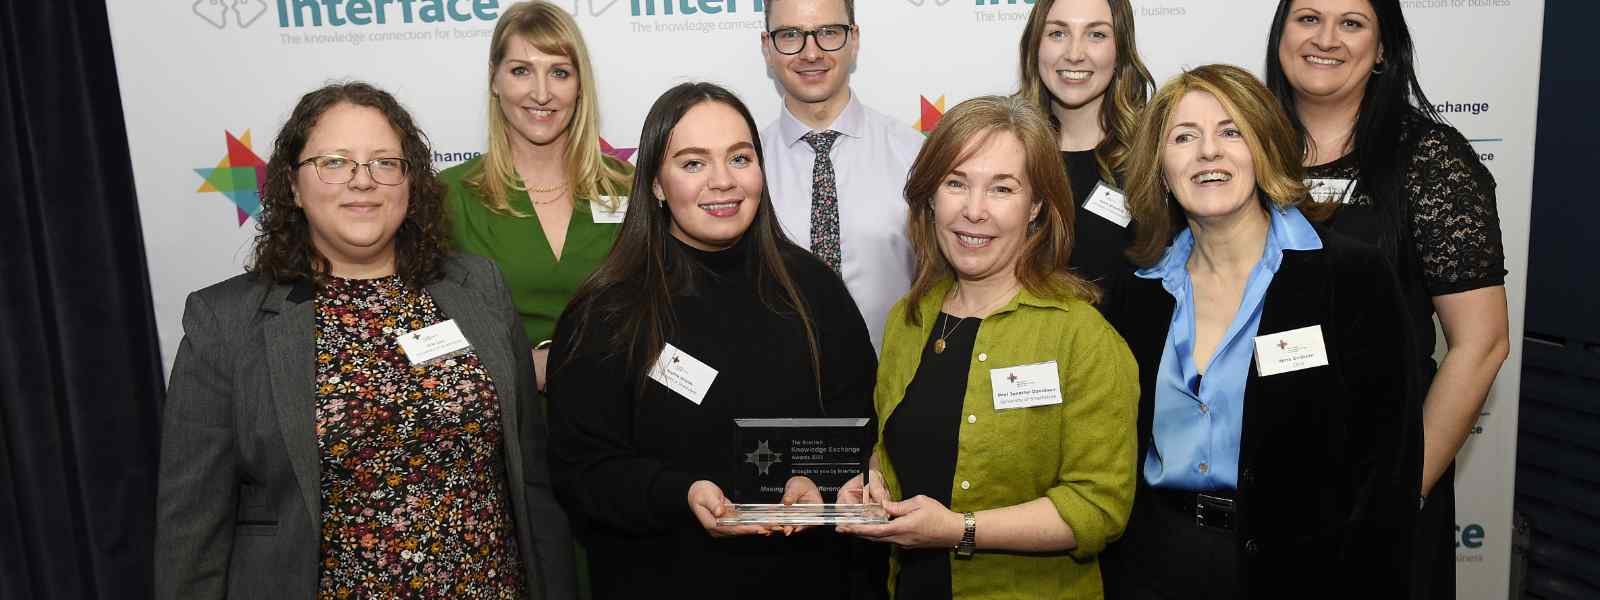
(414, 496)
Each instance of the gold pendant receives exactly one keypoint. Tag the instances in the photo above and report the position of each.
(938, 346)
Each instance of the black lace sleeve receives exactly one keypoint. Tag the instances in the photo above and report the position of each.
(1454, 223)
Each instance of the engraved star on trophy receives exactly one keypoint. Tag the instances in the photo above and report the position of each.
(770, 451)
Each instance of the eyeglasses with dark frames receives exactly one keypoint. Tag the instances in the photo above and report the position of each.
(791, 40)
(335, 169)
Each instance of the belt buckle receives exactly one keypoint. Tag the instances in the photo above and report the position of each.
(1213, 511)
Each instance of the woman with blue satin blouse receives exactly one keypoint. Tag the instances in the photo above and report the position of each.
(1276, 421)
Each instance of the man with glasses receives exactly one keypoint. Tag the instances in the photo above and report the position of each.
(835, 168)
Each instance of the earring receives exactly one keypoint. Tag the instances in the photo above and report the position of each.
(1377, 68)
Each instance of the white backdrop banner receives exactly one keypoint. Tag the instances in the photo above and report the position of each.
(207, 83)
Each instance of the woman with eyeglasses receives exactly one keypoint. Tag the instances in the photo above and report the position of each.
(355, 416)
(1404, 180)
(1081, 66)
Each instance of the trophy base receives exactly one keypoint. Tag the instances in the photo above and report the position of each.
(805, 514)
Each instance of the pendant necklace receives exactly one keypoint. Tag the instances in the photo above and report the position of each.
(938, 345)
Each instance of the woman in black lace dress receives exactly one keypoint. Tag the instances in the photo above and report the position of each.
(1414, 186)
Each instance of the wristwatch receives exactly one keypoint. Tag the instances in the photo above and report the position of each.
(969, 538)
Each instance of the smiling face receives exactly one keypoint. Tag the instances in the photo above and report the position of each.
(710, 177)
(1078, 53)
(352, 224)
(1329, 48)
(982, 209)
(537, 93)
(1206, 162)
(811, 76)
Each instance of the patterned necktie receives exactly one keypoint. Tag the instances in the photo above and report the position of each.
(824, 200)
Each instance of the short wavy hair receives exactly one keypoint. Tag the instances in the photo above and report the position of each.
(1275, 155)
(283, 249)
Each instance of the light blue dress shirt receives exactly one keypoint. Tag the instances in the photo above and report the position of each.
(1197, 421)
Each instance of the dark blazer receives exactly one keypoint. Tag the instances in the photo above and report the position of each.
(239, 508)
(1330, 457)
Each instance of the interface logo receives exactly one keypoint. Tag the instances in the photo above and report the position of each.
(622, 154)
(1469, 536)
(242, 13)
(650, 8)
(238, 176)
(932, 112)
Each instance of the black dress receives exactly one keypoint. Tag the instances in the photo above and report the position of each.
(623, 458)
(1097, 244)
(1445, 240)
(923, 437)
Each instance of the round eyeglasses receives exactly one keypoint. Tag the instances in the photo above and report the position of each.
(338, 169)
(791, 40)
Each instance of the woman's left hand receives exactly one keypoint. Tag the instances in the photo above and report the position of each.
(919, 522)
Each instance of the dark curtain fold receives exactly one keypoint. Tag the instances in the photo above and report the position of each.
(80, 394)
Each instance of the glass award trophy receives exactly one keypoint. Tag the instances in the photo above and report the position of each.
(770, 451)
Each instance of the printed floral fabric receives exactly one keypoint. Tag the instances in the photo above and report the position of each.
(414, 495)
(824, 201)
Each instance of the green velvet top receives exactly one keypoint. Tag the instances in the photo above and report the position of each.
(1079, 454)
(540, 285)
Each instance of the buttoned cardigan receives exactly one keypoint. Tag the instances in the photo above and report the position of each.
(1078, 453)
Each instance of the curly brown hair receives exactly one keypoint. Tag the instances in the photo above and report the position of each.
(283, 249)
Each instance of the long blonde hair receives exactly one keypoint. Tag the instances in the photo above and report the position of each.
(551, 30)
(1126, 94)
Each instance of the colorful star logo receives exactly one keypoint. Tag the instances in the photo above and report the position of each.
(932, 111)
(622, 154)
(238, 176)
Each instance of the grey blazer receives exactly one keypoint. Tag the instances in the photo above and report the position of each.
(239, 509)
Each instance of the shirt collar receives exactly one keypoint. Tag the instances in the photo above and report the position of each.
(852, 122)
(929, 307)
(1287, 229)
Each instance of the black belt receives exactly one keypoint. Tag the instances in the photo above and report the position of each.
(1216, 509)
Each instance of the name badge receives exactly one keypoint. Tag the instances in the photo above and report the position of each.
(683, 374)
(1291, 350)
(1109, 203)
(1330, 190)
(434, 343)
(1038, 384)
(606, 215)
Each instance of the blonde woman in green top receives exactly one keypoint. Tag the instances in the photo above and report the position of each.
(1006, 404)
(543, 203)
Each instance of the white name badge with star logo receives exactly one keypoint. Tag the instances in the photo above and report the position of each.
(605, 215)
(433, 343)
(683, 374)
(1038, 384)
(1292, 350)
(1325, 190)
(1109, 203)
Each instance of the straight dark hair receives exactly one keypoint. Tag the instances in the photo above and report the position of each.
(632, 291)
(1392, 96)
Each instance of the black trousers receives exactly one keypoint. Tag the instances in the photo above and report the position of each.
(1165, 554)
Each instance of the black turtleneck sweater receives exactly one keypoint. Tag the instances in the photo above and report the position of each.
(623, 462)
